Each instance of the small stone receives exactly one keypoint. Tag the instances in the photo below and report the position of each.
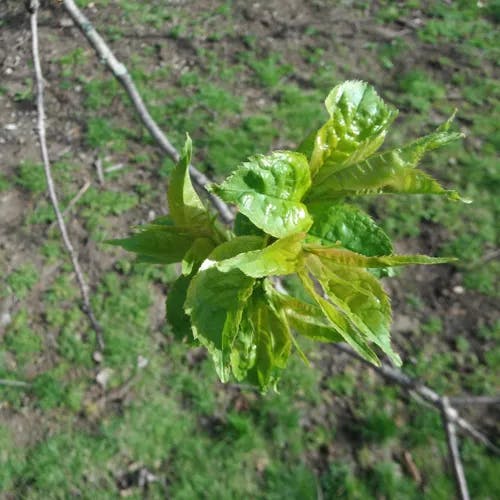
(97, 357)
(10, 126)
(5, 319)
(459, 290)
(102, 378)
(66, 22)
(142, 362)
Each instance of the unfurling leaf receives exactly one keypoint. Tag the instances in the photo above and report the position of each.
(388, 172)
(360, 298)
(268, 190)
(347, 258)
(273, 342)
(185, 205)
(358, 124)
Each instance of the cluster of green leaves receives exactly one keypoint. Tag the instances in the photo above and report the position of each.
(292, 219)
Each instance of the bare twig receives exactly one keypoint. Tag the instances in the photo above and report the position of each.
(451, 436)
(418, 390)
(121, 73)
(33, 8)
(114, 168)
(73, 201)
(475, 400)
(14, 383)
(98, 167)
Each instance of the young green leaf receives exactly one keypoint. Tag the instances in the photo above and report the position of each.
(360, 298)
(306, 319)
(348, 226)
(186, 208)
(279, 258)
(244, 349)
(161, 246)
(273, 342)
(268, 190)
(388, 172)
(215, 301)
(343, 257)
(358, 124)
(338, 321)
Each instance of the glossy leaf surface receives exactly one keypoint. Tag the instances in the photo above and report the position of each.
(348, 226)
(279, 258)
(388, 172)
(268, 190)
(215, 302)
(360, 298)
(358, 124)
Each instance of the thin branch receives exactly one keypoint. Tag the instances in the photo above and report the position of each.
(98, 167)
(475, 400)
(416, 389)
(121, 73)
(451, 436)
(33, 8)
(73, 201)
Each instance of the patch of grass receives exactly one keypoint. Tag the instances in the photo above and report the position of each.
(21, 340)
(419, 90)
(22, 280)
(268, 70)
(31, 177)
(11, 460)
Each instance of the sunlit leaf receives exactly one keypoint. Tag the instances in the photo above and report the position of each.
(360, 298)
(185, 206)
(388, 172)
(358, 124)
(268, 190)
(347, 258)
(279, 258)
(307, 319)
(349, 227)
(215, 302)
(339, 322)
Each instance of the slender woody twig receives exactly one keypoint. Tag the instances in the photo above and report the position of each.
(416, 389)
(33, 9)
(121, 73)
(451, 436)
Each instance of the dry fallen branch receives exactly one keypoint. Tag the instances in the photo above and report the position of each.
(33, 8)
(121, 73)
(451, 436)
(422, 392)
